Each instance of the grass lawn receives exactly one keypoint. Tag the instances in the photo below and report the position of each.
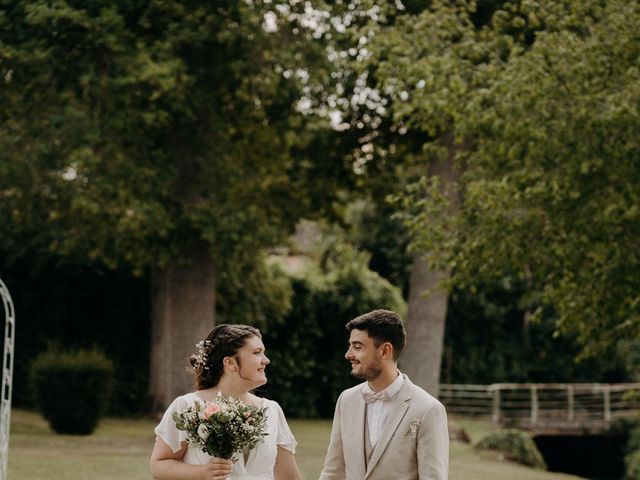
(120, 449)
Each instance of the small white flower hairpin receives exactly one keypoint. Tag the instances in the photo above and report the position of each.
(201, 356)
(413, 428)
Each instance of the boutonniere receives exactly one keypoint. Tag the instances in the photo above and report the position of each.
(413, 428)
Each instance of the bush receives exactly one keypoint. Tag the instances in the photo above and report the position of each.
(57, 296)
(632, 458)
(632, 464)
(633, 444)
(514, 445)
(308, 369)
(72, 389)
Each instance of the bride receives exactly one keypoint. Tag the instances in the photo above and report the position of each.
(231, 361)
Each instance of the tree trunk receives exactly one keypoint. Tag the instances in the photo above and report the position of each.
(427, 315)
(425, 327)
(182, 314)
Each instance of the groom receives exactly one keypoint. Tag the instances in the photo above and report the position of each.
(387, 427)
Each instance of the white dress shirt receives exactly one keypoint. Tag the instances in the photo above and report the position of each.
(378, 411)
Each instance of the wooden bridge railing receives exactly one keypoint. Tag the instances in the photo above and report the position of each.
(545, 406)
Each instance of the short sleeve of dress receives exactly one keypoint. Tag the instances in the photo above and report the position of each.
(285, 438)
(167, 430)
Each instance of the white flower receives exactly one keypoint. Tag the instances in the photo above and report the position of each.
(203, 431)
(200, 406)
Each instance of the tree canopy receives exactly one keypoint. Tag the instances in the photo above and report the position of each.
(132, 131)
(166, 137)
(548, 111)
(136, 133)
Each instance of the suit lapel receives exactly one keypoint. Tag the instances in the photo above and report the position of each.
(399, 407)
(356, 412)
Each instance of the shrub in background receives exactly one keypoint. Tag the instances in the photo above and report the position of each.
(632, 458)
(514, 445)
(632, 465)
(72, 388)
(308, 369)
(487, 341)
(78, 305)
(633, 427)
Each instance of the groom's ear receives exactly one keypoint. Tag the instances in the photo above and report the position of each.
(387, 349)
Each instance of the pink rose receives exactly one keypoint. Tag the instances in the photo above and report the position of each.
(211, 409)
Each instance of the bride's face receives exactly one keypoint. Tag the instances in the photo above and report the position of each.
(253, 361)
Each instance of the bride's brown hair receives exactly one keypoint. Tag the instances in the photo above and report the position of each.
(223, 341)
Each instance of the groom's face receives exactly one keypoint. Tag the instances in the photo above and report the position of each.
(365, 357)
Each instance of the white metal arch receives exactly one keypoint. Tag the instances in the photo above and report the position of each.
(7, 374)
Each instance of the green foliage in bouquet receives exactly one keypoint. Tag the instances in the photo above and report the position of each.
(72, 389)
(222, 427)
(514, 445)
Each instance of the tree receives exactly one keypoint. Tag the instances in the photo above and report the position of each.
(155, 135)
(550, 180)
(433, 70)
(415, 71)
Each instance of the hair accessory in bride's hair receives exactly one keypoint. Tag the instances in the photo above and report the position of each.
(203, 347)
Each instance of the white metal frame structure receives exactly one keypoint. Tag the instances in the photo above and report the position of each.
(7, 375)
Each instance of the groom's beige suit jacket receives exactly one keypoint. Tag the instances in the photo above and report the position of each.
(414, 443)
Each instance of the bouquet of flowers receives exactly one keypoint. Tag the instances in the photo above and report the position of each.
(222, 427)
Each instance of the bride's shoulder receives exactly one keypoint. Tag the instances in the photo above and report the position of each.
(182, 402)
(270, 405)
(262, 402)
(188, 397)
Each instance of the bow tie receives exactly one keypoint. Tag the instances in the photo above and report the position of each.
(370, 397)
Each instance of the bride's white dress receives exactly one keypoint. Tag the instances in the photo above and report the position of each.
(261, 459)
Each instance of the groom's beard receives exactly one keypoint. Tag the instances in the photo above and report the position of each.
(369, 373)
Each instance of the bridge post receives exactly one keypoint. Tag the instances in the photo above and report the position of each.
(496, 406)
(607, 403)
(534, 404)
(570, 402)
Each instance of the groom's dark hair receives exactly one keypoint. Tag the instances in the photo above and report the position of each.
(382, 326)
